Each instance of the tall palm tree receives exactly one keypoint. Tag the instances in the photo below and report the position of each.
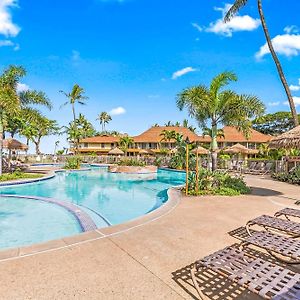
(216, 106)
(125, 142)
(168, 136)
(235, 8)
(14, 104)
(104, 118)
(75, 96)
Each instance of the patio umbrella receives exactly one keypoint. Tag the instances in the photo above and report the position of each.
(13, 144)
(116, 151)
(200, 150)
(144, 151)
(287, 140)
(236, 149)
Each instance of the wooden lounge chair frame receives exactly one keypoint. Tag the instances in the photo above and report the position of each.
(275, 224)
(261, 277)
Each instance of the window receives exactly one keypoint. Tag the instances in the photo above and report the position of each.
(85, 145)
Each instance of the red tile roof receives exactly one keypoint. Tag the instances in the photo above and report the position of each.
(152, 135)
(233, 135)
(101, 139)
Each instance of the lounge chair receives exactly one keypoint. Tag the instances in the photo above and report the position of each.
(275, 224)
(251, 167)
(288, 212)
(261, 277)
(285, 249)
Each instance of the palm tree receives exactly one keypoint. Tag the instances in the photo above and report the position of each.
(104, 118)
(55, 146)
(14, 104)
(75, 96)
(235, 8)
(169, 124)
(217, 106)
(38, 128)
(125, 142)
(186, 124)
(208, 131)
(168, 136)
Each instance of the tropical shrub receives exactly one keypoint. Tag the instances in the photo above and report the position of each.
(18, 175)
(217, 183)
(291, 177)
(131, 162)
(72, 162)
(157, 162)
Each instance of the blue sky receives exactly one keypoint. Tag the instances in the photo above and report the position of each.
(134, 56)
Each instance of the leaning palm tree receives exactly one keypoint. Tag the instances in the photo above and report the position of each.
(75, 96)
(238, 4)
(216, 106)
(104, 118)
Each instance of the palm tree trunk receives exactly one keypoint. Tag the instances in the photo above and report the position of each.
(75, 126)
(37, 146)
(277, 63)
(214, 146)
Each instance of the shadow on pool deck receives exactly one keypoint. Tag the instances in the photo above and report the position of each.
(218, 287)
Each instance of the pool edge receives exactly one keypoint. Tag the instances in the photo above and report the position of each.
(174, 198)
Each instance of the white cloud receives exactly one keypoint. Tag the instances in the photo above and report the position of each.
(291, 29)
(182, 72)
(296, 101)
(9, 43)
(117, 111)
(274, 103)
(197, 26)
(237, 23)
(285, 44)
(7, 27)
(294, 88)
(22, 87)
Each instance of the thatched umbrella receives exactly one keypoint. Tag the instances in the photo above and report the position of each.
(144, 151)
(13, 144)
(287, 140)
(116, 151)
(236, 149)
(200, 150)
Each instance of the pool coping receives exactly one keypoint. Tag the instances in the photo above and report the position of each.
(174, 198)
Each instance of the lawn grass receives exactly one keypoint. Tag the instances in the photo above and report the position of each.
(18, 175)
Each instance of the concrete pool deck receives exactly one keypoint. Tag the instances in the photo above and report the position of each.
(138, 263)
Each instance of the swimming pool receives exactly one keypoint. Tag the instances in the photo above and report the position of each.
(108, 198)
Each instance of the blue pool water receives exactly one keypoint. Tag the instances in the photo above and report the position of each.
(27, 221)
(109, 199)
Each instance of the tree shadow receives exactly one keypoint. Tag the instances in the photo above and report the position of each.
(258, 191)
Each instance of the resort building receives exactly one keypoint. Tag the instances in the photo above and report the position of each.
(152, 140)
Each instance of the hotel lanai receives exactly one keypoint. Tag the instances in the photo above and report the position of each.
(152, 139)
